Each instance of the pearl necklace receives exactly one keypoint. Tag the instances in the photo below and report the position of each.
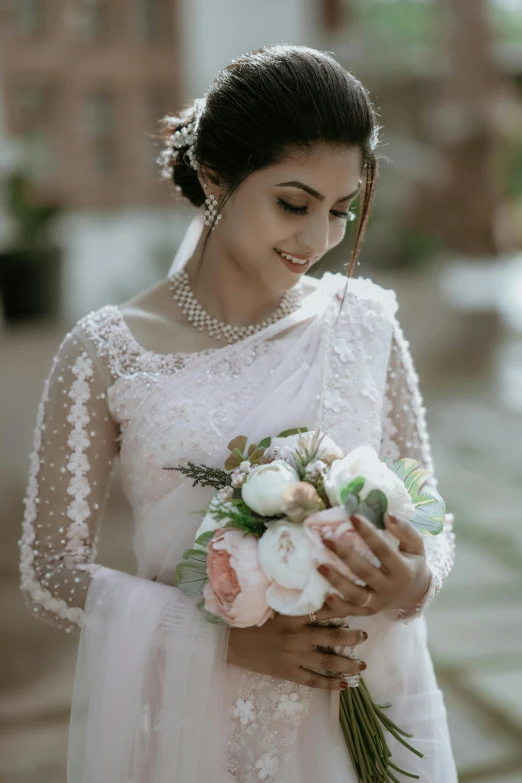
(203, 322)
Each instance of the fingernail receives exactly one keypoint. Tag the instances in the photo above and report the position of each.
(362, 666)
(392, 520)
(365, 635)
(343, 685)
(355, 521)
(323, 570)
(329, 543)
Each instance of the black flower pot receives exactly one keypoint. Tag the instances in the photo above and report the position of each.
(30, 282)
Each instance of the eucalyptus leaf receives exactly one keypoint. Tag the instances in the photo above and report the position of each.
(209, 617)
(190, 578)
(370, 514)
(204, 538)
(356, 485)
(349, 501)
(265, 443)
(195, 556)
(256, 455)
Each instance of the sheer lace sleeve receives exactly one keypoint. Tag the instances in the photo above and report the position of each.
(404, 433)
(75, 442)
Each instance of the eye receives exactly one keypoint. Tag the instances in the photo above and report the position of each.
(290, 208)
(342, 215)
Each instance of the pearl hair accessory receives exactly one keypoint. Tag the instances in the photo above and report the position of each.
(203, 322)
(182, 137)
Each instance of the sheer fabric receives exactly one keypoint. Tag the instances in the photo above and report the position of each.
(347, 371)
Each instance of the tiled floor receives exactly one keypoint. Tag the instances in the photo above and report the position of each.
(475, 624)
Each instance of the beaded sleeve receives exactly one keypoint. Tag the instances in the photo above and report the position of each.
(404, 433)
(75, 443)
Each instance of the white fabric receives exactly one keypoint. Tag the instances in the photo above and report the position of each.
(154, 699)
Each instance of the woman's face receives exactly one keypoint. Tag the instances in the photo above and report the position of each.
(298, 207)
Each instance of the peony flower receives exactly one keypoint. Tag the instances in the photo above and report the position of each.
(289, 557)
(364, 461)
(236, 590)
(209, 520)
(263, 488)
(284, 448)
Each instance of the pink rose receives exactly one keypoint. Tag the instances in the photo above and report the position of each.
(236, 590)
(335, 523)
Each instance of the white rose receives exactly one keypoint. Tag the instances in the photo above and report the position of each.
(364, 461)
(289, 559)
(209, 521)
(284, 448)
(263, 488)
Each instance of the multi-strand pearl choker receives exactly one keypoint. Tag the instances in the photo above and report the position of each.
(203, 322)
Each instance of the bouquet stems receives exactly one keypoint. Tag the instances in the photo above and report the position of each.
(363, 723)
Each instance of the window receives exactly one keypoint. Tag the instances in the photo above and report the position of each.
(94, 22)
(152, 18)
(33, 111)
(99, 125)
(28, 16)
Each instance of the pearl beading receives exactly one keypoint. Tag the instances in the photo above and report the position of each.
(203, 322)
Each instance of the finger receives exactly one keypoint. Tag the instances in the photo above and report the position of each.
(409, 538)
(340, 608)
(373, 577)
(374, 539)
(329, 662)
(313, 680)
(333, 636)
(349, 590)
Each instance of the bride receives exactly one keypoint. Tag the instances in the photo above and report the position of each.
(238, 339)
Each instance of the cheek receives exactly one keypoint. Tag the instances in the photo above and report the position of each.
(337, 233)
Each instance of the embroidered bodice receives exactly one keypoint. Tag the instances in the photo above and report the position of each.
(94, 409)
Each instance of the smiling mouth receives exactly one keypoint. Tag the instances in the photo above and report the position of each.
(294, 264)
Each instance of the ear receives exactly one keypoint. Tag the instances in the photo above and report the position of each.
(209, 181)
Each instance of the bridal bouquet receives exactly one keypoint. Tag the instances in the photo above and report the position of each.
(257, 550)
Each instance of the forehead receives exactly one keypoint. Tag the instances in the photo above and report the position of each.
(333, 171)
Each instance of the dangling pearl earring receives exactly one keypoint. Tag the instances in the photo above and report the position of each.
(211, 210)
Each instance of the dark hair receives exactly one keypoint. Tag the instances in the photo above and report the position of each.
(267, 102)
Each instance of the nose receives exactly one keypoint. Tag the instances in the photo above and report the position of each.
(314, 237)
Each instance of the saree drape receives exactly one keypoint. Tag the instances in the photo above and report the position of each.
(154, 699)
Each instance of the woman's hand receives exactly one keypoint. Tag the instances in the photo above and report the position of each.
(401, 581)
(284, 647)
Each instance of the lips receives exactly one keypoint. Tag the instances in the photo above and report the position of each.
(299, 266)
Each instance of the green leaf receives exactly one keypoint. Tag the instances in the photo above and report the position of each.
(377, 503)
(356, 485)
(256, 455)
(430, 512)
(370, 514)
(251, 449)
(350, 502)
(265, 443)
(239, 443)
(195, 556)
(191, 578)
(211, 618)
(294, 431)
(204, 538)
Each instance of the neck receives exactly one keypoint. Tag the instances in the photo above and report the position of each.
(225, 290)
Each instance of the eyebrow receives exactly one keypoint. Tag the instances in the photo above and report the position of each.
(319, 196)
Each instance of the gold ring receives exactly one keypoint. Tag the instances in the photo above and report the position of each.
(313, 618)
(367, 601)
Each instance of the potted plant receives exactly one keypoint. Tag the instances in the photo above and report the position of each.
(30, 265)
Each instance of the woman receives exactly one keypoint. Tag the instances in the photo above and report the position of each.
(239, 340)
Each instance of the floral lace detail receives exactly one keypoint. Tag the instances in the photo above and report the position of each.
(263, 726)
(355, 359)
(78, 464)
(125, 357)
(405, 433)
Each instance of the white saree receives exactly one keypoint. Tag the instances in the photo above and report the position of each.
(154, 699)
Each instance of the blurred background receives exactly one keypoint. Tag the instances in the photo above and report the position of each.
(85, 221)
